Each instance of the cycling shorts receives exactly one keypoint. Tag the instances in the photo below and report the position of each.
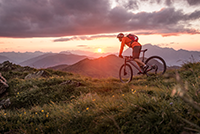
(136, 51)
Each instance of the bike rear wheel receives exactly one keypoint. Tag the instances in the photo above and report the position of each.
(125, 73)
(157, 66)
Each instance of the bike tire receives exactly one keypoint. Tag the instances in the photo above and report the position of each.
(157, 64)
(125, 77)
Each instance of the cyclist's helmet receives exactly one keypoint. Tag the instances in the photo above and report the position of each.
(120, 35)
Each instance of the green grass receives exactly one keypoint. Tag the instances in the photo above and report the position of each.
(54, 105)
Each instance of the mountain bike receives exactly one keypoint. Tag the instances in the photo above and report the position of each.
(156, 67)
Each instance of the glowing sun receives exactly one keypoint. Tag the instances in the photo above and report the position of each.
(99, 50)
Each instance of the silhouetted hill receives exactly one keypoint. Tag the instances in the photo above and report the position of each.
(51, 59)
(101, 67)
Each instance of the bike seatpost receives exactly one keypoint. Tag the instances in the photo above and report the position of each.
(143, 54)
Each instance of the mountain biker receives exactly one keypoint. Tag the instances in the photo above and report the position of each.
(136, 47)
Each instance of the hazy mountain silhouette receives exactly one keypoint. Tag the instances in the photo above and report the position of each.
(4, 58)
(86, 53)
(52, 59)
(59, 67)
(18, 57)
(30, 62)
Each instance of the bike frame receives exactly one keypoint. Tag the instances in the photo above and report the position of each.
(153, 67)
(129, 60)
(133, 64)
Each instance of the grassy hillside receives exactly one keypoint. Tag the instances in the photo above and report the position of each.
(62, 102)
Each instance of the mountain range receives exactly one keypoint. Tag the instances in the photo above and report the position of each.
(18, 57)
(52, 59)
(44, 60)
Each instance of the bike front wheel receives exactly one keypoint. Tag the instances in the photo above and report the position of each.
(125, 73)
(157, 66)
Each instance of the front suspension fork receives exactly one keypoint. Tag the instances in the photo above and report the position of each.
(125, 73)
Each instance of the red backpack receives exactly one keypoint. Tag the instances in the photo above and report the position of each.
(133, 37)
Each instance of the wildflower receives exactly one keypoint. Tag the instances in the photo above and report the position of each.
(52, 102)
(134, 92)
(173, 92)
(113, 96)
(24, 112)
(36, 129)
(47, 115)
(87, 108)
(5, 114)
(42, 111)
(17, 92)
(78, 111)
(94, 100)
(122, 94)
(35, 112)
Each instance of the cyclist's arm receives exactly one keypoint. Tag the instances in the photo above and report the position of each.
(122, 46)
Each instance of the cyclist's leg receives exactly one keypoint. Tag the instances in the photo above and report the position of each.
(139, 62)
(136, 54)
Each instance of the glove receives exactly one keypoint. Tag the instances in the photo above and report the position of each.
(120, 56)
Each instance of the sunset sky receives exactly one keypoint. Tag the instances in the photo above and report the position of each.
(91, 25)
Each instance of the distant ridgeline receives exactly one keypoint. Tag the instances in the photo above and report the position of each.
(45, 60)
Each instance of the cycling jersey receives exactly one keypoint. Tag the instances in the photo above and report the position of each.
(127, 41)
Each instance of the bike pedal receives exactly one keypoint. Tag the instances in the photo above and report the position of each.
(139, 73)
(145, 68)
